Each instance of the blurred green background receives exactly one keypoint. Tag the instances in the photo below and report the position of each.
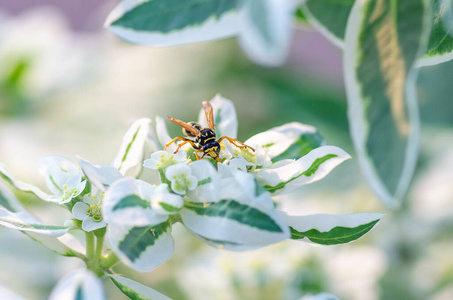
(69, 87)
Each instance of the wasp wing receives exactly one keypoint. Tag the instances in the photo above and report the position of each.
(184, 125)
(209, 114)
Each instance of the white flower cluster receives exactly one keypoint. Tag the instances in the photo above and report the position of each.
(227, 204)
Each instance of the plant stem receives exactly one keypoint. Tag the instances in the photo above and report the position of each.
(89, 245)
(109, 260)
(99, 243)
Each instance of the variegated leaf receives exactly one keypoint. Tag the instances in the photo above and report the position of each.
(309, 168)
(130, 157)
(23, 221)
(288, 141)
(25, 187)
(440, 42)
(101, 177)
(173, 22)
(8, 200)
(80, 284)
(135, 290)
(142, 248)
(65, 245)
(387, 37)
(329, 17)
(127, 201)
(330, 229)
(231, 223)
(266, 30)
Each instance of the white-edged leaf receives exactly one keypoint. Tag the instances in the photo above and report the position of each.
(80, 284)
(329, 17)
(266, 30)
(8, 200)
(24, 221)
(330, 229)
(129, 158)
(100, 176)
(127, 202)
(7, 294)
(225, 119)
(309, 168)
(173, 22)
(231, 223)
(162, 135)
(65, 245)
(288, 141)
(141, 248)
(135, 290)
(383, 41)
(25, 187)
(440, 42)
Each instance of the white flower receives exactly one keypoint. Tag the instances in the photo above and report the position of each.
(90, 211)
(181, 178)
(63, 177)
(163, 159)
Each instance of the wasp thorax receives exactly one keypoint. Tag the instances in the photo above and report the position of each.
(194, 125)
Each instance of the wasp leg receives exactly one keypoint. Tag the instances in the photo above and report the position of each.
(218, 158)
(198, 151)
(233, 141)
(179, 146)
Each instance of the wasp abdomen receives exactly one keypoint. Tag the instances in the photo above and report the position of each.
(194, 125)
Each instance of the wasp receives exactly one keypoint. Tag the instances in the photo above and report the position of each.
(203, 140)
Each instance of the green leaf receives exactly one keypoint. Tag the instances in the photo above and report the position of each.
(440, 43)
(331, 229)
(302, 146)
(172, 22)
(329, 17)
(384, 38)
(135, 290)
(338, 235)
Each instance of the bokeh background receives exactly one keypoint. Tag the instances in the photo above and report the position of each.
(69, 87)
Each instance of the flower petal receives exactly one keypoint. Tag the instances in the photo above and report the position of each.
(80, 210)
(89, 224)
